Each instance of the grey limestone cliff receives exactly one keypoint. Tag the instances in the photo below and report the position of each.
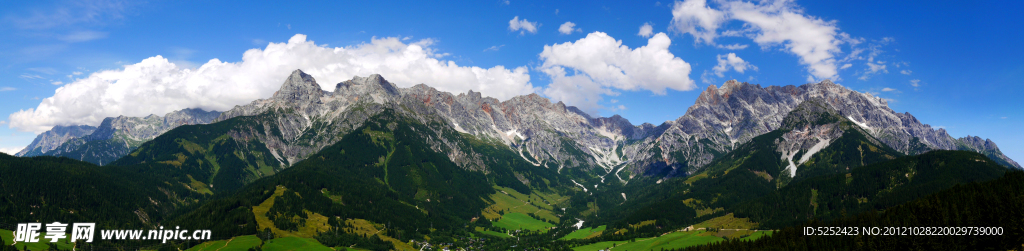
(554, 135)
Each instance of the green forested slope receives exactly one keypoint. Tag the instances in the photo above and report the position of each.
(48, 189)
(997, 203)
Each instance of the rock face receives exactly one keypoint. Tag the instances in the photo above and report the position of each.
(146, 128)
(557, 136)
(812, 126)
(737, 112)
(116, 136)
(52, 139)
(986, 147)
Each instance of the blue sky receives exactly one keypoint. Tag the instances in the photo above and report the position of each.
(953, 65)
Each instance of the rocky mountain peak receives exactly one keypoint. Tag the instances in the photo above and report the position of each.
(714, 95)
(374, 85)
(729, 86)
(987, 147)
(49, 140)
(299, 88)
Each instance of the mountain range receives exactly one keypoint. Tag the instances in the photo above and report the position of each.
(375, 166)
(720, 119)
(114, 138)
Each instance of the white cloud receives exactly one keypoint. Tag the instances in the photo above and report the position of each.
(873, 69)
(44, 70)
(697, 19)
(1003, 117)
(56, 83)
(600, 65)
(3, 122)
(76, 73)
(732, 46)
(733, 62)
(82, 36)
(904, 72)
(157, 86)
(506, 2)
(646, 30)
(812, 39)
(30, 76)
(567, 28)
(846, 66)
(915, 82)
(7, 88)
(11, 150)
(769, 23)
(515, 25)
(494, 48)
(71, 13)
(887, 89)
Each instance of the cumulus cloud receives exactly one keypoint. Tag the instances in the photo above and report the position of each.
(697, 19)
(582, 72)
(526, 26)
(904, 72)
(158, 86)
(567, 28)
(11, 150)
(848, 65)
(731, 61)
(646, 30)
(915, 82)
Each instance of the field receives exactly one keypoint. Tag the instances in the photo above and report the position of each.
(672, 240)
(8, 237)
(727, 222)
(507, 200)
(584, 233)
(293, 243)
(367, 228)
(514, 221)
(240, 243)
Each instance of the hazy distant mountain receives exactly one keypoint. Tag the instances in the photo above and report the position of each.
(114, 138)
